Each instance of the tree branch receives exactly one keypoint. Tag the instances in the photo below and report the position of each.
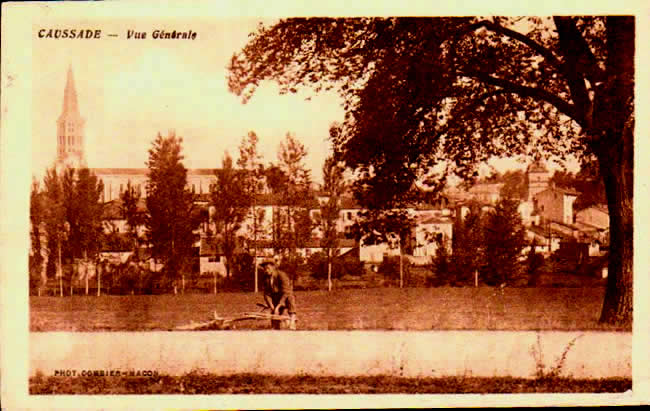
(525, 91)
(576, 49)
(497, 28)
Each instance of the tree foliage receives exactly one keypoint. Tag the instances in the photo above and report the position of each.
(71, 213)
(230, 201)
(85, 217)
(515, 185)
(328, 216)
(425, 97)
(290, 180)
(171, 215)
(504, 238)
(587, 182)
(37, 216)
(55, 220)
(250, 164)
(468, 246)
(134, 216)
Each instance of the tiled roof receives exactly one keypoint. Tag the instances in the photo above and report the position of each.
(490, 188)
(435, 220)
(544, 232)
(562, 190)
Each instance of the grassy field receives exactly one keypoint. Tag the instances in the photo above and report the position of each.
(443, 308)
(304, 384)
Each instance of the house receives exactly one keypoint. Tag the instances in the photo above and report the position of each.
(375, 253)
(556, 204)
(526, 210)
(488, 193)
(211, 258)
(596, 216)
(430, 232)
(315, 245)
(114, 220)
(546, 240)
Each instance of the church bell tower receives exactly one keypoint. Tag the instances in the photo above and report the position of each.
(70, 129)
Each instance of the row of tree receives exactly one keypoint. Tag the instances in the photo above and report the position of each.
(235, 197)
(66, 220)
(67, 211)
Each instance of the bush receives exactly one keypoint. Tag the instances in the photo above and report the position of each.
(292, 264)
(389, 267)
(317, 266)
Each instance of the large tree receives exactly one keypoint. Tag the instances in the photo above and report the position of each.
(424, 92)
(231, 204)
(296, 194)
(333, 188)
(171, 216)
(468, 246)
(37, 213)
(135, 217)
(504, 238)
(250, 162)
(55, 224)
(87, 209)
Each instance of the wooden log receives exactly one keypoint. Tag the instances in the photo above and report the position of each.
(219, 323)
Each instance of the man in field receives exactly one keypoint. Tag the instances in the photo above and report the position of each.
(278, 292)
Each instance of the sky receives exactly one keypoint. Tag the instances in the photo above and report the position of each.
(130, 90)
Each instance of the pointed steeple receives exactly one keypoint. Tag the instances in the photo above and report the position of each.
(70, 128)
(70, 106)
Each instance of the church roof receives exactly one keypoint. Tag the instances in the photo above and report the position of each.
(70, 104)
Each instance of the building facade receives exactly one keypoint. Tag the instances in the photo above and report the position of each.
(556, 204)
(538, 178)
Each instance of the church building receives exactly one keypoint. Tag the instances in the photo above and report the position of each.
(70, 153)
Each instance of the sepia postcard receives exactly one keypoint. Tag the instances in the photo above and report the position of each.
(279, 205)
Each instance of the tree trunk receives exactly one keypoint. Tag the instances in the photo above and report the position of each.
(60, 271)
(616, 169)
(401, 269)
(329, 271)
(86, 265)
(614, 121)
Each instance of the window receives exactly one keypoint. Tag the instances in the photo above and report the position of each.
(193, 188)
(121, 188)
(349, 216)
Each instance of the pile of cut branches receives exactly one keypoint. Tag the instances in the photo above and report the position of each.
(221, 323)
